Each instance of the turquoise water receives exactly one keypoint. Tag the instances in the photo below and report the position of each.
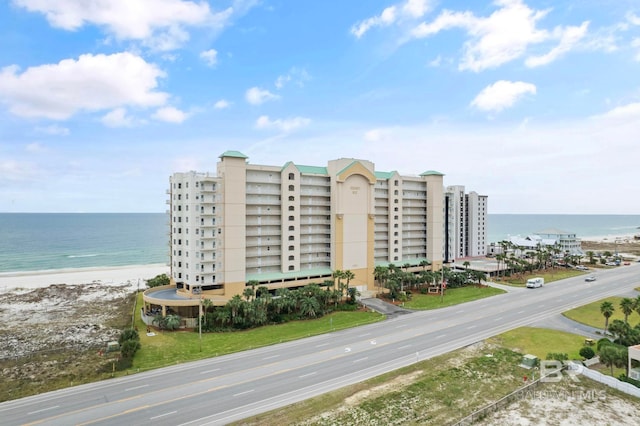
(40, 241)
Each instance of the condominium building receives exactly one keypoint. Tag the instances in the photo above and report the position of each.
(465, 224)
(291, 225)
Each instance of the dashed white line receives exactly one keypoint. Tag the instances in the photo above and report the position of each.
(137, 387)
(519, 312)
(243, 393)
(498, 319)
(163, 415)
(471, 326)
(460, 311)
(271, 357)
(364, 335)
(440, 336)
(404, 347)
(361, 359)
(210, 371)
(321, 345)
(44, 409)
(307, 375)
(401, 325)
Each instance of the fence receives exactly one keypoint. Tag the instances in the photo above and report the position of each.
(612, 382)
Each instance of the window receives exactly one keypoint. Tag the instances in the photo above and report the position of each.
(292, 238)
(292, 198)
(291, 257)
(291, 187)
(291, 267)
(291, 248)
(179, 185)
(395, 183)
(291, 218)
(291, 208)
(292, 176)
(292, 228)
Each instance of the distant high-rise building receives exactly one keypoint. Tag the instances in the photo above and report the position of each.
(291, 225)
(465, 224)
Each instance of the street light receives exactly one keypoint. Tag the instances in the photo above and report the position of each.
(200, 318)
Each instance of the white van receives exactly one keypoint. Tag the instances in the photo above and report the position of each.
(535, 282)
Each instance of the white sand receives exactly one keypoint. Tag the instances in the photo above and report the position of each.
(610, 238)
(117, 276)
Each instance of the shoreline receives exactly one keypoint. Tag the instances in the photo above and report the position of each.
(106, 275)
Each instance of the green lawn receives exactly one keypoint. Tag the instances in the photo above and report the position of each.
(549, 276)
(590, 314)
(541, 341)
(167, 348)
(452, 296)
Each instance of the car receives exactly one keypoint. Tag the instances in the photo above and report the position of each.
(627, 263)
(590, 278)
(582, 268)
(611, 264)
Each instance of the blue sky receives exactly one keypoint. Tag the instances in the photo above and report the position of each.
(533, 103)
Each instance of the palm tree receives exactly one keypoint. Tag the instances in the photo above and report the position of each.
(627, 305)
(606, 309)
(424, 264)
(248, 293)
(591, 256)
(309, 306)
(380, 274)
(466, 264)
(348, 275)
(636, 304)
(172, 321)
(479, 275)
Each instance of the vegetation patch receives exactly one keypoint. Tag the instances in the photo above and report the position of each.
(541, 342)
(452, 296)
(591, 314)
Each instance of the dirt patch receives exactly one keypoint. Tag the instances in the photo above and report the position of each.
(54, 334)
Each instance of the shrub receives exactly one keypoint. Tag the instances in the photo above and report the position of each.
(158, 280)
(557, 356)
(587, 352)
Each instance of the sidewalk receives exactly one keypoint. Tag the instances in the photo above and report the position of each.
(388, 309)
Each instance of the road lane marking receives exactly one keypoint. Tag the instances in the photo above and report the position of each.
(498, 319)
(440, 336)
(361, 359)
(210, 371)
(137, 387)
(364, 335)
(404, 347)
(162, 415)
(520, 312)
(324, 344)
(44, 409)
(243, 393)
(271, 357)
(471, 326)
(460, 311)
(402, 325)
(307, 375)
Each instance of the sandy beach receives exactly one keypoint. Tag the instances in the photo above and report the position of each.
(114, 276)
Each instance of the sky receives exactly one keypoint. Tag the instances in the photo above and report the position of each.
(535, 104)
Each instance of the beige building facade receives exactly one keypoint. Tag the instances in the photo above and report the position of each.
(291, 225)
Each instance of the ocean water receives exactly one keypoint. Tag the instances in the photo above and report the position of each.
(43, 241)
(501, 226)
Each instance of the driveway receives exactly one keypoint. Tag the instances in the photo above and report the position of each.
(388, 309)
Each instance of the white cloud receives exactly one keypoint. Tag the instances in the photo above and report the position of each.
(170, 115)
(54, 129)
(569, 37)
(284, 125)
(624, 112)
(221, 104)
(633, 18)
(157, 23)
(257, 96)
(210, 57)
(503, 36)
(35, 148)
(502, 94)
(299, 76)
(117, 118)
(435, 62)
(409, 9)
(635, 43)
(91, 83)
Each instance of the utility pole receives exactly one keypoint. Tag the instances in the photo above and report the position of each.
(200, 319)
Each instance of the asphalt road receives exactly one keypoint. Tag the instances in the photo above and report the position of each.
(228, 388)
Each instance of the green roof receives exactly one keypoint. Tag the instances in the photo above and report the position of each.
(277, 276)
(384, 175)
(313, 170)
(234, 154)
(401, 263)
(431, 173)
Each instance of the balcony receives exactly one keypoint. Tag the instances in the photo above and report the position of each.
(274, 250)
(262, 242)
(314, 239)
(263, 231)
(263, 211)
(262, 200)
(263, 190)
(263, 221)
(314, 201)
(260, 262)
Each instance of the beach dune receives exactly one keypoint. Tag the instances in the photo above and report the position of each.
(119, 275)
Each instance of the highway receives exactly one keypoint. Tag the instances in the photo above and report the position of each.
(231, 387)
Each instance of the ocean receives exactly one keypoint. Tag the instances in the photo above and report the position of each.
(44, 241)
